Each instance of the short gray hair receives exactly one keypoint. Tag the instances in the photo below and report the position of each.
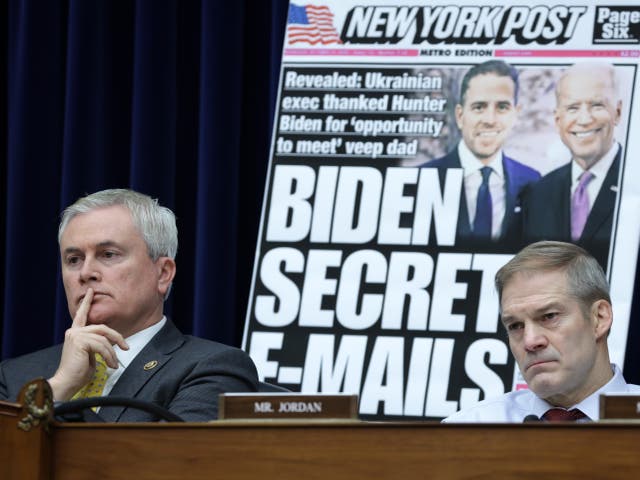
(585, 278)
(157, 224)
(593, 68)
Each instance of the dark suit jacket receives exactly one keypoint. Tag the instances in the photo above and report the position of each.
(187, 379)
(517, 178)
(546, 211)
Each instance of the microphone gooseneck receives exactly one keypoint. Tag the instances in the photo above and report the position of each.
(75, 406)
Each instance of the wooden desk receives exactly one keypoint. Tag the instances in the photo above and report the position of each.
(346, 451)
(317, 450)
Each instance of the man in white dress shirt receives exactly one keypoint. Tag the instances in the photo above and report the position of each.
(556, 308)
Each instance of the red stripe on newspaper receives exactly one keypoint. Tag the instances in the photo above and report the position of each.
(567, 53)
(374, 52)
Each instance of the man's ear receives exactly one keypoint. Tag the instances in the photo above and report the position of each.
(602, 316)
(618, 112)
(556, 118)
(166, 268)
(458, 114)
(518, 108)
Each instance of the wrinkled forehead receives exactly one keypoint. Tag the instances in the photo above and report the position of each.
(579, 85)
(535, 280)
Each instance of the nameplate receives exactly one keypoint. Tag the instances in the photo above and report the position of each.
(619, 406)
(287, 405)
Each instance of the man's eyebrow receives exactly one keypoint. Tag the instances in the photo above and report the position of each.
(551, 305)
(106, 243)
(506, 318)
(71, 250)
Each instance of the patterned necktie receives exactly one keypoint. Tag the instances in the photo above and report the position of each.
(96, 385)
(484, 213)
(562, 415)
(580, 206)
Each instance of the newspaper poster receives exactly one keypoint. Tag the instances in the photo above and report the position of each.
(377, 251)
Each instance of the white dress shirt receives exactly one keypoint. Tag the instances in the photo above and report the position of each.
(472, 181)
(136, 343)
(515, 406)
(599, 171)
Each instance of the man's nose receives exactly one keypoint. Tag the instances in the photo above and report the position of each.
(89, 271)
(534, 338)
(490, 115)
(584, 114)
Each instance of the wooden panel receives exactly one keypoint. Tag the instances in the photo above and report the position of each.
(620, 406)
(24, 442)
(320, 449)
(346, 450)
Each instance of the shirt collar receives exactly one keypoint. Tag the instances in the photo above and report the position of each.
(137, 342)
(599, 169)
(590, 406)
(471, 164)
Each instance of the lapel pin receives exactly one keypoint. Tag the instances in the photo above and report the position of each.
(614, 188)
(150, 365)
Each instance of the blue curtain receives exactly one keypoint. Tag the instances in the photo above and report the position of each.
(173, 98)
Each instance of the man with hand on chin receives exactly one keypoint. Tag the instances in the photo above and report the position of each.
(117, 252)
(556, 309)
(82, 343)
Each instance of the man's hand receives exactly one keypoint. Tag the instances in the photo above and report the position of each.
(81, 343)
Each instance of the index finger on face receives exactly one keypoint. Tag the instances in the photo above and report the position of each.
(80, 319)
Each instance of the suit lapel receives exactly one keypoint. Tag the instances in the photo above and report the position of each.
(149, 362)
(558, 204)
(604, 205)
(464, 226)
(512, 187)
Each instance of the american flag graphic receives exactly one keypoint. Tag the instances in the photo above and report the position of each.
(311, 24)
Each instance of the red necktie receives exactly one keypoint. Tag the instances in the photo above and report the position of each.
(562, 415)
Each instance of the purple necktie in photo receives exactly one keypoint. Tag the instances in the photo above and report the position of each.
(484, 210)
(580, 206)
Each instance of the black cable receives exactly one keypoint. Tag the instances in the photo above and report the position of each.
(75, 406)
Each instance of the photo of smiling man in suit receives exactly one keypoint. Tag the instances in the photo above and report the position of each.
(485, 115)
(576, 201)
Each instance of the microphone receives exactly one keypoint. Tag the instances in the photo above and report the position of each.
(80, 410)
(531, 418)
